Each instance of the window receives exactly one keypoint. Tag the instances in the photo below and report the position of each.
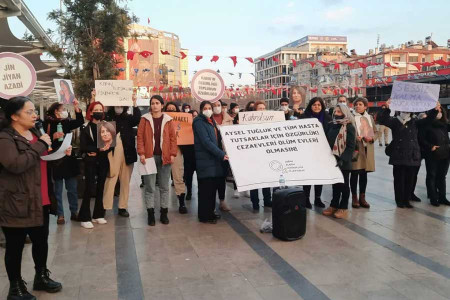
(395, 58)
(413, 59)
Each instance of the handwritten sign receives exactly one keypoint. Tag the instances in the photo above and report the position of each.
(114, 92)
(183, 127)
(266, 116)
(18, 76)
(414, 97)
(288, 148)
(207, 85)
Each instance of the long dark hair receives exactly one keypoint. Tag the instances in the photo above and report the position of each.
(247, 107)
(202, 105)
(54, 107)
(13, 106)
(177, 109)
(308, 110)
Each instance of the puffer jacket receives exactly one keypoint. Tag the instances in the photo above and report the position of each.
(20, 180)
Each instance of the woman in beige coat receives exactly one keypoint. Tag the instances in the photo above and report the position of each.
(366, 135)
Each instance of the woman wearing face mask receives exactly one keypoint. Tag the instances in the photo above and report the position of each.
(435, 143)
(366, 134)
(24, 199)
(209, 160)
(341, 137)
(185, 108)
(233, 112)
(404, 151)
(221, 117)
(316, 109)
(96, 166)
(64, 170)
(123, 157)
(178, 168)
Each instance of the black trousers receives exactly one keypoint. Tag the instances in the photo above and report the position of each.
(317, 191)
(94, 172)
(341, 192)
(416, 174)
(221, 188)
(267, 196)
(436, 174)
(189, 165)
(362, 176)
(207, 189)
(403, 183)
(15, 241)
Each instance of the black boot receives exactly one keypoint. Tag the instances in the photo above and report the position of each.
(444, 201)
(18, 291)
(182, 209)
(123, 213)
(42, 282)
(151, 216)
(163, 217)
(318, 202)
(189, 195)
(308, 203)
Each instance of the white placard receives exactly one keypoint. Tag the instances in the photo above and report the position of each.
(114, 92)
(207, 85)
(148, 168)
(143, 96)
(264, 116)
(17, 75)
(61, 152)
(297, 149)
(413, 97)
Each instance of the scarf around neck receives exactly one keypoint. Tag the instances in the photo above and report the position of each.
(341, 139)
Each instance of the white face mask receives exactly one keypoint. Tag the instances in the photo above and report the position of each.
(284, 108)
(64, 114)
(187, 110)
(236, 110)
(343, 103)
(405, 115)
(439, 116)
(118, 110)
(208, 113)
(217, 110)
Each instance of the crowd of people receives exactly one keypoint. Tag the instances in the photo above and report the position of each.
(31, 189)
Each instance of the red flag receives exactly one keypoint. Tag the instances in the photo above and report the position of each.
(198, 57)
(311, 63)
(145, 53)
(263, 59)
(130, 55)
(183, 56)
(275, 59)
(171, 89)
(428, 64)
(355, 89)
(165, 52)
(314, 90)
(390, 66)
(441, 62)
(214, 58)
(249, 59)
(418, 66)
(342, 91)
(154, 89)
(294, 63)
(234, 59)
(324, 64)
(361, 65)
(161, 87)
(324, 91)
(336, 66)
(347, 63)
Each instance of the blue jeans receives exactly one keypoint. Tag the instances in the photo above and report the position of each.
(72, 194)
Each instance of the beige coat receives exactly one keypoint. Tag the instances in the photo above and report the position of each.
(366, 158)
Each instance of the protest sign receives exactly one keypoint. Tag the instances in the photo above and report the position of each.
(297, 149)
(413, 97)
(106, 134)
(114, 92)
(18, 76)
(183, 127)
(143, 96)
(64, 91)
(264, 116)
(149, 167)
(61, 152)
(207, 85)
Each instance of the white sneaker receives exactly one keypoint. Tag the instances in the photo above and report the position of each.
(236, 194)
(87, 225)
(100, 221)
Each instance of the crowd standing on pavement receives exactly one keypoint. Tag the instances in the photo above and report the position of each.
(31, 189)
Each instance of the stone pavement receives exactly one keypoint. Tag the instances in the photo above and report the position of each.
(380, 253)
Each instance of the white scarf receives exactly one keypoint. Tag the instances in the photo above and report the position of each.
(404, 119)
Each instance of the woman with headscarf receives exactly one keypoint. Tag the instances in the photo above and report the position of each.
(316, 109)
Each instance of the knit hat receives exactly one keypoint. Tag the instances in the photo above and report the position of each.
(157, 97)
(284, 100)
(233, 105)
(361, 99)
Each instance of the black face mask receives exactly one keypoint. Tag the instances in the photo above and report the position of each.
(98, 116)
(338, 117)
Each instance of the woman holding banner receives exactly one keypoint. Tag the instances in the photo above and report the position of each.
(209, 158)
(316, 109)
(341, 137)
(24, 198)
(404, 150)
(178, 167)
(364, 158)
(123, 157)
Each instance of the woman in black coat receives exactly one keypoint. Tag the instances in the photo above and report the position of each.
(341, 136)
(404, 151)
(316, 109)
(436, 150)
(66, 169)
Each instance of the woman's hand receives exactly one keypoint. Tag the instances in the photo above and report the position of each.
(134, 98)
(57, 135)
(142, 159)
(46, 138)
(225, 157)
(93, 94)
(68, 152)
(172, 159)
(438, 105)
(368, 139)
(359, 138)
(434, 148)
(76, 105)
(92, 154)
(388, 102)
(106, 148)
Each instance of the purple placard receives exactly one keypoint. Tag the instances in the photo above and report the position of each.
(32, 83)
(222, 88)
